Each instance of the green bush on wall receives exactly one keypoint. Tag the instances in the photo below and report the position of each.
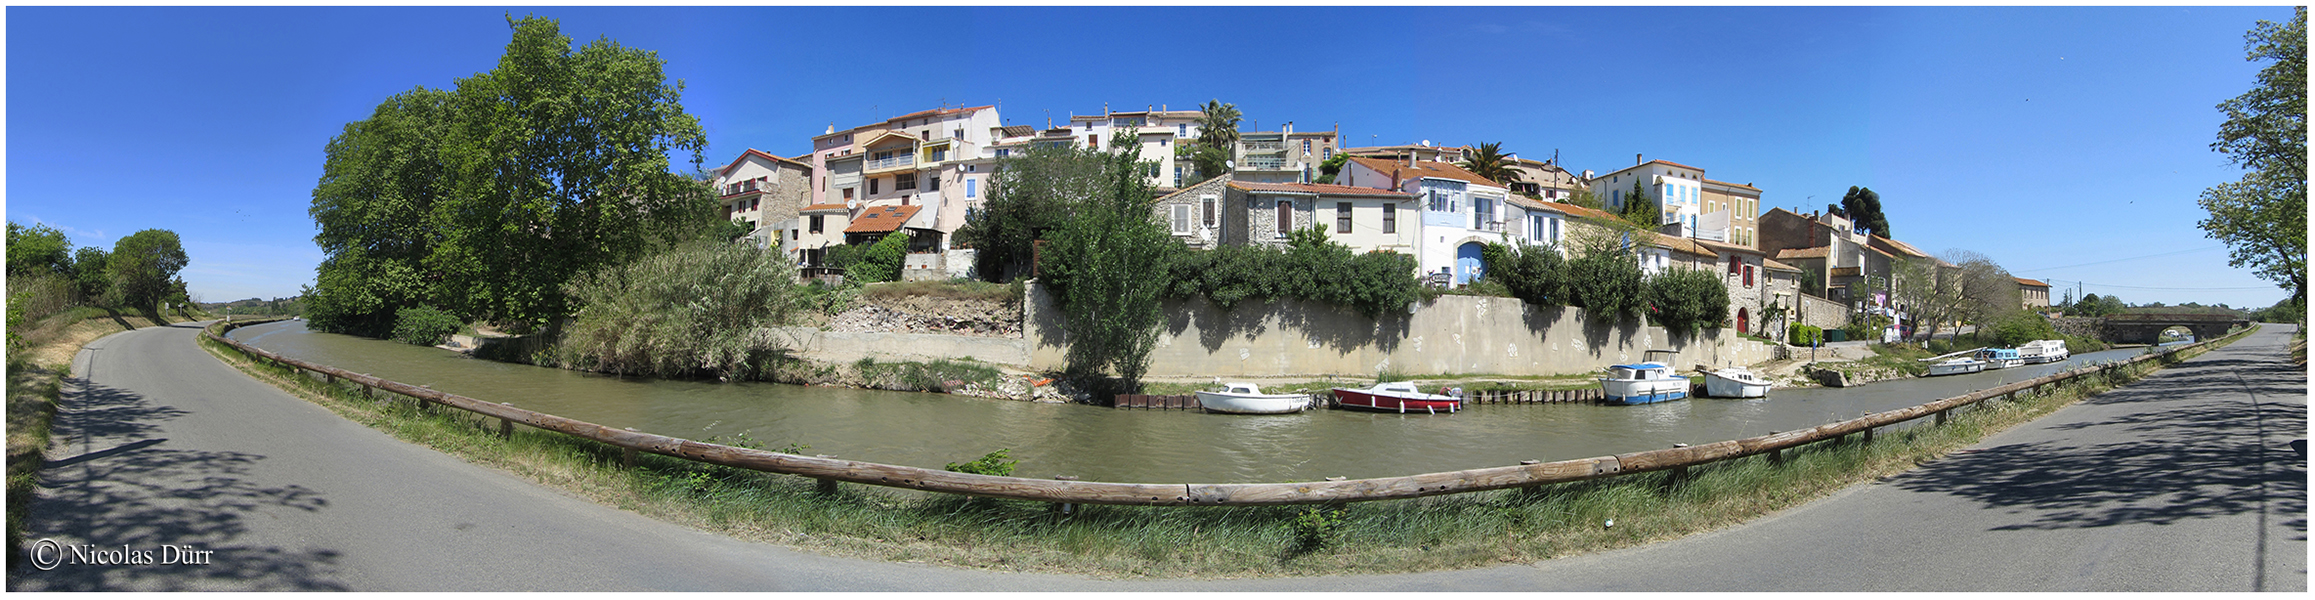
(1805, 335)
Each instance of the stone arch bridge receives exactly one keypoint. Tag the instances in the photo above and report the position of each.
(2146, 328)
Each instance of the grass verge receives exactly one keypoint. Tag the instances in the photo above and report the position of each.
(1468, 530)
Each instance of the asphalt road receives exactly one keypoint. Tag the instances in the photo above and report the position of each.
(2187, 481)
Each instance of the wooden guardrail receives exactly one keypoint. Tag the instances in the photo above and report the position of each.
(1190, 494)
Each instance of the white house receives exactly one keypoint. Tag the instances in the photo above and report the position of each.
(1459, 210)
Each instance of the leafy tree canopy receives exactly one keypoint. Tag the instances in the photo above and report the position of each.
(2262, 217)
(38, 249)
(485, 199)
(1863, 208)
(144, 269)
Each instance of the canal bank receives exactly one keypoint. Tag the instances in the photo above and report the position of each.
(1464, 530)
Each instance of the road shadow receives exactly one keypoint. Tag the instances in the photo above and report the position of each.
(126, 486)
(2199, 448)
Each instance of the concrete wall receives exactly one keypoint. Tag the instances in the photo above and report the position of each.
(1455, 334)
(833, 346)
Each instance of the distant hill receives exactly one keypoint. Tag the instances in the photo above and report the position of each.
(259, 306)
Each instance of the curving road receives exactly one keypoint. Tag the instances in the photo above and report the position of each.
(2187, 481)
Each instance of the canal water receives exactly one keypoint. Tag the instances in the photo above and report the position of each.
(1104, 444)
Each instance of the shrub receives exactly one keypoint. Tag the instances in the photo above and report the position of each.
(1311, 267)
(1688, 299)
(424, 326)
(1537, 275)
(1316, 528)
(698, 309)
(1866, 327)
(993, 463)
(2021, 326)
(880, 261)
(1805, 335)
(1608, 285)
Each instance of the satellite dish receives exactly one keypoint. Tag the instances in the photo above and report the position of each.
(851, 205)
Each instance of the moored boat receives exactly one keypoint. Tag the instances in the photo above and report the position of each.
(1398, 397)
(1999, 358)
(1735, 382)
(2043, 351)
(1246, 399)
(1956, 366)
(1642, 383)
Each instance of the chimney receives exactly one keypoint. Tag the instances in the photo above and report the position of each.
(1636, 159)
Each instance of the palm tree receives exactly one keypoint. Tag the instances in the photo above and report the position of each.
(1217, 139)
(1489, 162)
(1218, 127)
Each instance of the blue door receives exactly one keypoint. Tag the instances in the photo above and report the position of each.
(1467, 264)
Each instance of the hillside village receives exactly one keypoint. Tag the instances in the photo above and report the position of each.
(926, 172)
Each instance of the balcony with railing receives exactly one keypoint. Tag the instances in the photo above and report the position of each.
(744, 188)
(1265, 146)
(899, 161)
(1263, 164)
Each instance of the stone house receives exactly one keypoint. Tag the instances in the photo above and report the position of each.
(1220, 211)
(764, 193)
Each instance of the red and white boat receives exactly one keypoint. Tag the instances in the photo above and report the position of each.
(1397, 396)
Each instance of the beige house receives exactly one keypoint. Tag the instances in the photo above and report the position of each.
(1220, 212)
(1731, 214)
(2033, 294)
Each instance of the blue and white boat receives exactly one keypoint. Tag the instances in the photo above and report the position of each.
(1643, 383)
(2000, 358)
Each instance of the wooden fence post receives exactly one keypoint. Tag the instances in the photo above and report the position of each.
(1941, 417)
(1065, 508)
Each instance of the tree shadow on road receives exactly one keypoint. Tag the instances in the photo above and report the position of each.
(2197, 450)
(126, 486)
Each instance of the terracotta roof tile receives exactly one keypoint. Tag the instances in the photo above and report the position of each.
(879, 219)
(2030, 283)
(1793, 253)
(1315, 188)
(1423, 168)
(766, 155)
(820, 207)
(1777, 266)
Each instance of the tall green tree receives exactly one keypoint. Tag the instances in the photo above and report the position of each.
(2262, 217)
(485, 199)
(1489, 161)
(1639, 209)
(1331, 167)
(1863, 208)
(1100, 264)
(91, 271)
(144, 269)
(38, 249)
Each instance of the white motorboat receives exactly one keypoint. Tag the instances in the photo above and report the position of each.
(1999, 358)
(1956, 366)
(1735, 382)
(1642, 383)
(1246, 399)
(2043, 351)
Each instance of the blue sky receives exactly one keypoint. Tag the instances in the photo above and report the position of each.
(2045, 138)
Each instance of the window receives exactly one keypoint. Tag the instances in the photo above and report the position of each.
(1179, 175)
(1305, 146)
(847, 194)
(1181, 219)
(957, 133)
(932, 184)
(1390, 218)
(1208, 203)
(1328, 154)
(1093, 141)
(1341, 216)
(1004, 152)
(1182, 130)
(972, 168)
(1285, 217)
(936, 155)
(1748, 276)
(1735, 265)
(1555, 231)
(819, 223)
(970, 187)
(872, 183)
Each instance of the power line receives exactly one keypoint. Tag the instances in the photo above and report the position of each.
(2138, 287)
(2122, 259)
